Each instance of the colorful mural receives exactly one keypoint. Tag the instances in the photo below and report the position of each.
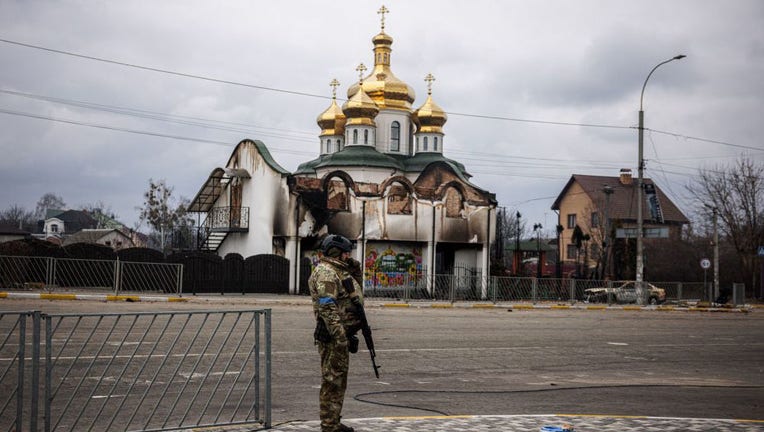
(387, 265)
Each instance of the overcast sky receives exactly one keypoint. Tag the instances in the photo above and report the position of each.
(507, 72)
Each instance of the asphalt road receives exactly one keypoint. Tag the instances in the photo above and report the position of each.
(498, 362)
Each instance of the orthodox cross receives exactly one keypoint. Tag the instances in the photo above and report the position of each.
(429, 79)
(382, 11)
(334, 84)
(360, 69)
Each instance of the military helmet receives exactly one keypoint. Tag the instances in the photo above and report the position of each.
(338, 241)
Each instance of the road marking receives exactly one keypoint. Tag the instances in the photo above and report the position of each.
(618, 343)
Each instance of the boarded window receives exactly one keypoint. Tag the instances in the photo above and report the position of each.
(454, 203)
(337, 196)
(398, 201)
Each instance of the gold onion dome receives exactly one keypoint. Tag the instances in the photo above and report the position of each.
(332, 120)
(360, 109)
(382, 86)
(430, 117)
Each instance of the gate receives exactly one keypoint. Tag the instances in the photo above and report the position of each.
(135, 371)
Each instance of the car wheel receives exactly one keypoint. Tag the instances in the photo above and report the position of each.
(653, 300)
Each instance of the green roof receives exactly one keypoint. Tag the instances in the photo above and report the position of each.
(355, 155)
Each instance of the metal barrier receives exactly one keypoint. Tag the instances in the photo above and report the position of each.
(18, 272)
(139, 371)
(454, 288)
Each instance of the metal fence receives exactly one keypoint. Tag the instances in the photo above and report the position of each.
(496, 289)
(139, 371)
(19, 272)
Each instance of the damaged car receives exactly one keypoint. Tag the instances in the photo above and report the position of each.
(626, 293)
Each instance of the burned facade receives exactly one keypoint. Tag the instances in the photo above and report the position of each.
(380, 179)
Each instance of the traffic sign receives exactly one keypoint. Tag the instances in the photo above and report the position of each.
(705, 263)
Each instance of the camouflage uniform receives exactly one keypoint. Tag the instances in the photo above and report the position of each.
(338, 313)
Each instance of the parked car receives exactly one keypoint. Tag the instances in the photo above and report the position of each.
(626, 293)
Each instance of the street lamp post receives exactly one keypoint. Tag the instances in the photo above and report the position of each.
(537, 229)
(640, 181)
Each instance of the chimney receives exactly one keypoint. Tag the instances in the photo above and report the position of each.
(625, 177)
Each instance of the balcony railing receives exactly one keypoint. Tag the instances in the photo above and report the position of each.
(219, 223)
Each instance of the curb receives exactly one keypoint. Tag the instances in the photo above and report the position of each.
(584, 307)
(97, 297)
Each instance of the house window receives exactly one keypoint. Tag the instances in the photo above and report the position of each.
(571, 252)
(572, 221)
(424, 144)
(435, 144)
(355, 136)
(595, 220)
(54, 228)
(395, 136)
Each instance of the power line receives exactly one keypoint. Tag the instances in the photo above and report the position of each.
(134, 131)
(676, 135)
(165, 71)
(298, 93)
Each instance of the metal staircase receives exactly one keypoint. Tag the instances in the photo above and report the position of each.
(220, 222)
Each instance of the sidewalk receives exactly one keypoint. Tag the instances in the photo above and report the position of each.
(521, 423)
(286, 299)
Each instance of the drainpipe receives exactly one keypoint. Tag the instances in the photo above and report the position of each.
(363, 245)
(433, 245)
(296, 265)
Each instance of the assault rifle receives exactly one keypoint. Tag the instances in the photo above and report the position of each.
(366, 331)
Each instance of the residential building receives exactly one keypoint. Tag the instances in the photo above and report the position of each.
(605, 211)
(111, 237)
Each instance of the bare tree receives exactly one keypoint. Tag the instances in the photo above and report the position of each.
(737, 192)
(102, 213)
(18, 217)
(161, 213)
(48, 201)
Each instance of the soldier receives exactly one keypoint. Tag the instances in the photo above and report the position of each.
(334, 283)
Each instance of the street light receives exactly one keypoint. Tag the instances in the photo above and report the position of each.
(641, 169)
(537, 229)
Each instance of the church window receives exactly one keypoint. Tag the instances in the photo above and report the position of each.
(365, 136)
(337, 195)
(398, 201)
(339, 145)
(355, 136)
(435, 144)
(395, 136)
(454, 203)
(424, 144)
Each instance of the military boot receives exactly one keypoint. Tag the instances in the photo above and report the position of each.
(343, 428)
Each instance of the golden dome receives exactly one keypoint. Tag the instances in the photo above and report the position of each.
(382, 86)
(360, 109)
(430, 117)
(332, 120)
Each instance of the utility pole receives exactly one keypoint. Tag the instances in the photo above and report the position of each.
(716, 253)
(607, 190)
(516, 257)
(537, 228)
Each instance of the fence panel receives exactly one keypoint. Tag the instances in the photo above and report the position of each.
(157, 371)
(19, 370)
(17, 272)
(92, 275)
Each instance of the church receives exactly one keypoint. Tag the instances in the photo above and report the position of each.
(380, 179)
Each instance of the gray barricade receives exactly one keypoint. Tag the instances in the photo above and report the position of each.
(135, 371)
